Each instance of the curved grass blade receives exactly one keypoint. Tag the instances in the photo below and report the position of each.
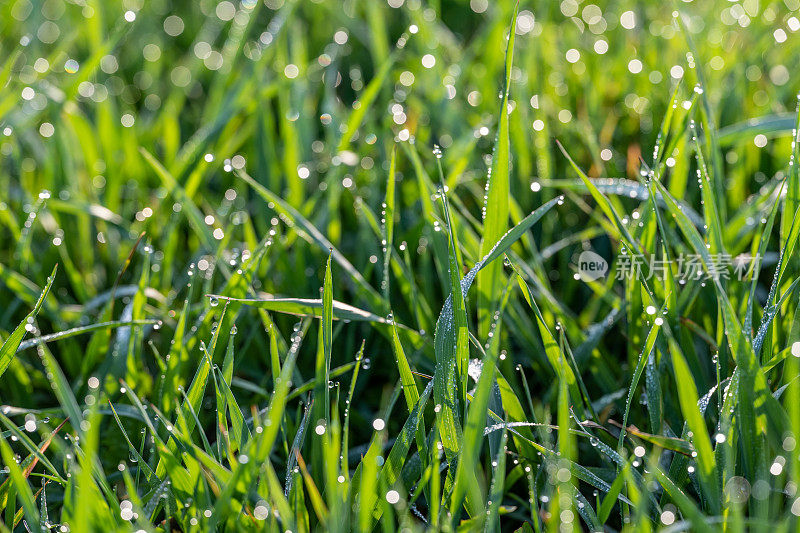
(308, 307)
(390, 472)
(637, 374)
(52, 337)
(194, 395)
(346, 424)
(314, 236)
(23, 490)
(553, 351)
(444, 335)
(31, 446)
(14, 340)
(762, 249)
(624, 188)
(775, 125)
(791, 238)
(753, 390)
(605, 205)
(682, 501)
(297, 444)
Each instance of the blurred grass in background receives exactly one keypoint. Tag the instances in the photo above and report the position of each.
(158, 120)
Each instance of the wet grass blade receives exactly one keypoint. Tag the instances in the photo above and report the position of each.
(388, 223)
(12, 343)
(688, 399)
(498, 486)
(753, 388)
(315, 236)
(496, 208)
(444, 335)
(308, 307)
(324, 358)
(555, 355)
(465, 484)
(637, 374)
(23, 490)
(756, 270)
(457, 378)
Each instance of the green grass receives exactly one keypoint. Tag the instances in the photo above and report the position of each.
(313, 265)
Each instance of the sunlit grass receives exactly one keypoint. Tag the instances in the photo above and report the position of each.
(239, 240)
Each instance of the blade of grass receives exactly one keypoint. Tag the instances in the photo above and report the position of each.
(495, 207)
(12, 343)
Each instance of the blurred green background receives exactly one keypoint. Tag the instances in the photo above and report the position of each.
(123, 118)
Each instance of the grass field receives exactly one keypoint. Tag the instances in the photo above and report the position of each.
(295, 265)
